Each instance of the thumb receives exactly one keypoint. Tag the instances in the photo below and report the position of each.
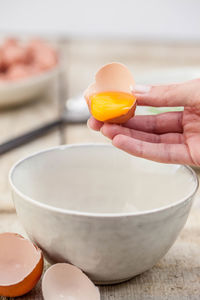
(182, 94)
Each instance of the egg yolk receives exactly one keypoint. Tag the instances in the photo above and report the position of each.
(109, 105)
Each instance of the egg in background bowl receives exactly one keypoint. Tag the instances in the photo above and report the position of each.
(26, 70)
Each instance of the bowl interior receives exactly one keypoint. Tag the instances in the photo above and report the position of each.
(100, 179)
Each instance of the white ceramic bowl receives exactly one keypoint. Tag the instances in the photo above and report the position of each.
(21, 91)
(111, 214)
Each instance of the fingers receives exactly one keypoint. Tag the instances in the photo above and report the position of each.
(161, 123)
(184, 94)
(111, 130)
(94, 124)
(193, 143)
(165, 153)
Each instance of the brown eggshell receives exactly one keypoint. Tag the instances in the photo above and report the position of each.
(90, 91)
(123, 118)
(65, 281)
(112, 77)
(21, 265)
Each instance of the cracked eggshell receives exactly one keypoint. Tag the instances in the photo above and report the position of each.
(21, 265)
(65, 281)
(112, 77)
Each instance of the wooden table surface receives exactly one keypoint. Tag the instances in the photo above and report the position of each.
(177, 275)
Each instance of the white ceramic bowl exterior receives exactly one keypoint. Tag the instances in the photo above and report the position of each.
(24, 90)
(110, 247)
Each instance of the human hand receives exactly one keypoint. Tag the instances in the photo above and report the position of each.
(172, 137)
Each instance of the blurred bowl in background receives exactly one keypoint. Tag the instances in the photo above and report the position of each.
(26, 69)
(18, 92)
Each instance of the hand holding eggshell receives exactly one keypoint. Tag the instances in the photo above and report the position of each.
(110, 99)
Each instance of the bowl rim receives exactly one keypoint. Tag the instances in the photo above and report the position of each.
(90, 214)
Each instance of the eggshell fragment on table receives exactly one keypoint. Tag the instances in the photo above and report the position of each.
(113, 77)
(65, 281)
(21, 265)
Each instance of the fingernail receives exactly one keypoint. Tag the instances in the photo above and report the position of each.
(138, 88)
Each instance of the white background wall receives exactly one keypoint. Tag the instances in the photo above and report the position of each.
(139, 19)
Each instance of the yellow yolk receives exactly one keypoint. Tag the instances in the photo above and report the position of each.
(109, 105)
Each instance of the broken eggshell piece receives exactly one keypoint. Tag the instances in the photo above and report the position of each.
(113, 77)
(65, 281)
(21, 265)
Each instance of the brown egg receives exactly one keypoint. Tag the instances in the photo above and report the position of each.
(1, 60)
(42, 55)
(21, 71)
(21, 265)
(13, 52)
(65, 281)
(2, 78)
(19, 60)
(17, 71)
(10, 42)
(110, 99)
